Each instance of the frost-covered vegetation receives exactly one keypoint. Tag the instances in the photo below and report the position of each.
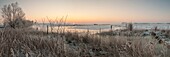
(31, 43)
(20, 41)
(14, 17)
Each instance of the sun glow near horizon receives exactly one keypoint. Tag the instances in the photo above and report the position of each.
(95, 11)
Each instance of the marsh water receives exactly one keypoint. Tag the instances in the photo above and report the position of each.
(100, 28)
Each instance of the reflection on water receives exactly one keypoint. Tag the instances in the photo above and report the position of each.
(92, 29)
(98, 28)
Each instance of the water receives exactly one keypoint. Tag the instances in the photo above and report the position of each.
(100, 28)
(162, 26)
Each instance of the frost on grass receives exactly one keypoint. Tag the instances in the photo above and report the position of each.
(28, 43)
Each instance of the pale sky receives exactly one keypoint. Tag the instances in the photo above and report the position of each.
(96, 11)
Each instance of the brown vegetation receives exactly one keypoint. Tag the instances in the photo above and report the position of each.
(29, 43)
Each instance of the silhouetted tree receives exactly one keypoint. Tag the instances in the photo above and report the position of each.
(14, 17)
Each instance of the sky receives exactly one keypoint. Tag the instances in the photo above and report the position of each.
(95, 11)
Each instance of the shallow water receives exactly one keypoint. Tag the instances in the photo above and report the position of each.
(99, 28)
(92, 29)
(152, 26)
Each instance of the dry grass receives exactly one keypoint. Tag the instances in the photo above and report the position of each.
(28, 43)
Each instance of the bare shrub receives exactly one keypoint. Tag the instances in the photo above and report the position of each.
(14, 17)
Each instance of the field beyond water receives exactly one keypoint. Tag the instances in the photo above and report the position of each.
(32, 43)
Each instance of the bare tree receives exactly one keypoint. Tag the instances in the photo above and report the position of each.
(14, 17)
